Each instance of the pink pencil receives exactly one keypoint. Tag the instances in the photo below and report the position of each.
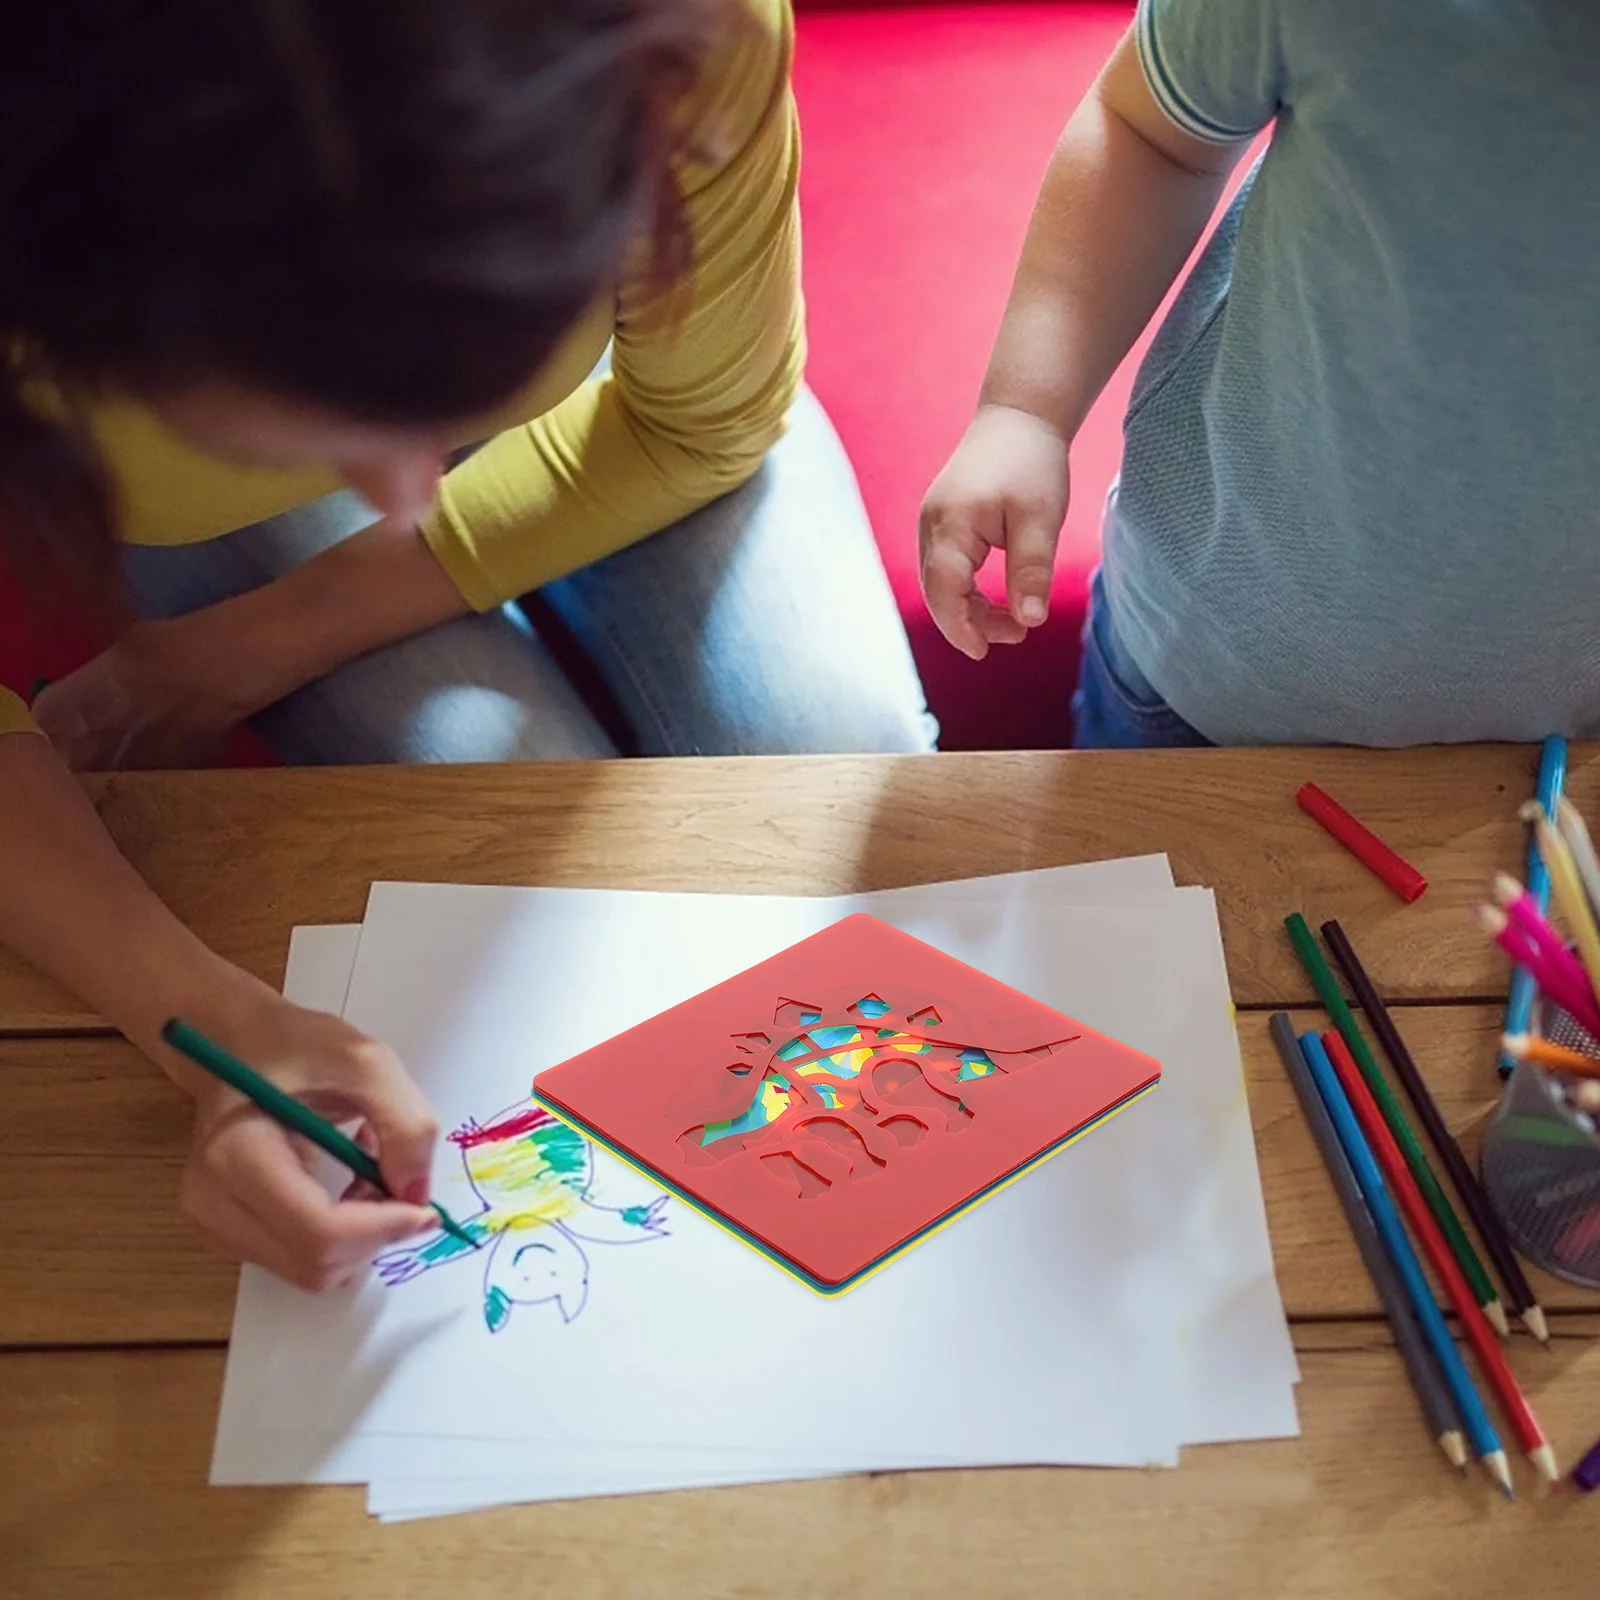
(1525, 915)
(1553, 976)
(1556, 978)
(1519, 938)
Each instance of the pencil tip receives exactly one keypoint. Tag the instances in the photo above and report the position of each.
(1455, 1449)
(1506, 888)
(1496, 1313)
(1544, 1460)
(1537, 1324)
(1496, 1466)
(1494, 920)
(1531, 811)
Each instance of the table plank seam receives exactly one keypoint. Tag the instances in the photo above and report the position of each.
(111, 1347)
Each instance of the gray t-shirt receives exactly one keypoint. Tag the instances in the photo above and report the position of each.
(1360, 499)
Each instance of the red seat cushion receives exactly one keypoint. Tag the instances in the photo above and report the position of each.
(926, 131)
(35, 646)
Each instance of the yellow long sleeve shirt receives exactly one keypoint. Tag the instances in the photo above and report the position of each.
(578, 466)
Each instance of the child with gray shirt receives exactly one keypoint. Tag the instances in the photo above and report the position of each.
(1360, 495)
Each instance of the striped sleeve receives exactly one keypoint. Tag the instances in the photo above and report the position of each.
(1214, 66)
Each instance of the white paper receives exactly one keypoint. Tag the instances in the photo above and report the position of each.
(245, 1455)
(321, 961)
(476, 1005)
(1236, 1363)
(434, 951)
(318, 975)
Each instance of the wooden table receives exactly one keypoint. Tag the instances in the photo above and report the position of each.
(112, 1322)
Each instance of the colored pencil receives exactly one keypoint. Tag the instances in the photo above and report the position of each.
(1567, 887)
(1519, 1292)
(1427, 1382)
(1548, 786)
(1569, 822)
(1525, 915)
(1491, 1357)
(1546, 1053)
(1587, 1472)
(1361, 842)
(1556, 973)
(1474, 1417)
(289, 1113)
(1335, 1004)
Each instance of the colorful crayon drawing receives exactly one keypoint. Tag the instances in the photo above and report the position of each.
(534, 1176)
(839, 1096)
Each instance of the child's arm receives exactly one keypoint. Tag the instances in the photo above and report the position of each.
(72, 904)
(1124, 201)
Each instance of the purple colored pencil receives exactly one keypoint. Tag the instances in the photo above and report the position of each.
(1586, 1475)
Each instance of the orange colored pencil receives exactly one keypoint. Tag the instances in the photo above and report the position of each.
(1491, 1358)
(1546, 1053)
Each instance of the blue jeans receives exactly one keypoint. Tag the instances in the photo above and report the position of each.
(762, 624)
(1115, 707)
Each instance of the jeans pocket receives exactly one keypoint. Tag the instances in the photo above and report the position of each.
(1116, 695)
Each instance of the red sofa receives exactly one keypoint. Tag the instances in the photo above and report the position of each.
(926, 131)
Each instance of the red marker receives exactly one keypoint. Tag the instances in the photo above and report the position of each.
(1362, 843)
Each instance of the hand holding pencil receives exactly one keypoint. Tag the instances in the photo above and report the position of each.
(248, 1186)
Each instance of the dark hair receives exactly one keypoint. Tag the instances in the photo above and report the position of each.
(394, 208)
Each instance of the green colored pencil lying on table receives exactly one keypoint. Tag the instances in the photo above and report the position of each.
(287, 1112)
(1338, 1008)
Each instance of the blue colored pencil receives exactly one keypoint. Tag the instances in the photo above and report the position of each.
(1552, 780)
(1480, 1430)
(1438, 1408)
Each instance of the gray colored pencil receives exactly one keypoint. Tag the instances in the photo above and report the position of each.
(1438, 1409)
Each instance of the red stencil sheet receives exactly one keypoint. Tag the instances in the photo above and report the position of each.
(833, 1104)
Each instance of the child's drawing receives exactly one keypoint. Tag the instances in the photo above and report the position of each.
(534, 1175)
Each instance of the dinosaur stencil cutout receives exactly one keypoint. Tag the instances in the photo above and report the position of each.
(839, 1099)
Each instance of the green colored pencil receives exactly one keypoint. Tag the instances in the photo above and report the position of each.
(285, 1110)
(1335, 1004)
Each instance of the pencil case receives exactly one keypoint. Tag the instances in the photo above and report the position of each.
(1541, 1163)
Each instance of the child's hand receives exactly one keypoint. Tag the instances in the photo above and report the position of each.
(248, 1187)
(1006, 487)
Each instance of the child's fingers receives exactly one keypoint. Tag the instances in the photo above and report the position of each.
(996, 623)
(949, 584)
(406, 1130)
(1031, 536)
(398, 1125)
(325, 1238)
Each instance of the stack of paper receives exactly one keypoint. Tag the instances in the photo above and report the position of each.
(1107, 1309)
